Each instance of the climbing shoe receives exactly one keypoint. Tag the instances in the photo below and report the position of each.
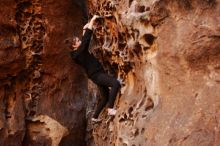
(94, 120)
(111, 112)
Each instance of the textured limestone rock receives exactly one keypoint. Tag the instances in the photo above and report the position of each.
(49, 129)
(42, 91)
(166, 52)
(11, 63)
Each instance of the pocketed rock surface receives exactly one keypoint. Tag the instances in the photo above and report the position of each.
(41, 89)
(166, 53)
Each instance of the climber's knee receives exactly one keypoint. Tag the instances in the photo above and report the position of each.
(116, 84)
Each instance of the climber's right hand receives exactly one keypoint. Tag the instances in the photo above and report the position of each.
(92, 21)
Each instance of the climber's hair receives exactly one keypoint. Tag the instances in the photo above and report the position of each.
(70, 40)
(74, 39)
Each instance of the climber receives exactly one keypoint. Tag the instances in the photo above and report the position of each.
(94, 70)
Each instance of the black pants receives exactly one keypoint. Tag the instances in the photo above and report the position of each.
(103, 80)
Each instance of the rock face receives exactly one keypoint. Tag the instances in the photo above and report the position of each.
(167, 53)
(42, 91)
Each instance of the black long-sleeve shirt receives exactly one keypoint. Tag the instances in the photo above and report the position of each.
(84, 58)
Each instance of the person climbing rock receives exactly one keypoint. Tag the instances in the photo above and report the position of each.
(94, 70)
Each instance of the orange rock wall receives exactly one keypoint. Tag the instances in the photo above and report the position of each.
(42, 91)
(166, 53)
